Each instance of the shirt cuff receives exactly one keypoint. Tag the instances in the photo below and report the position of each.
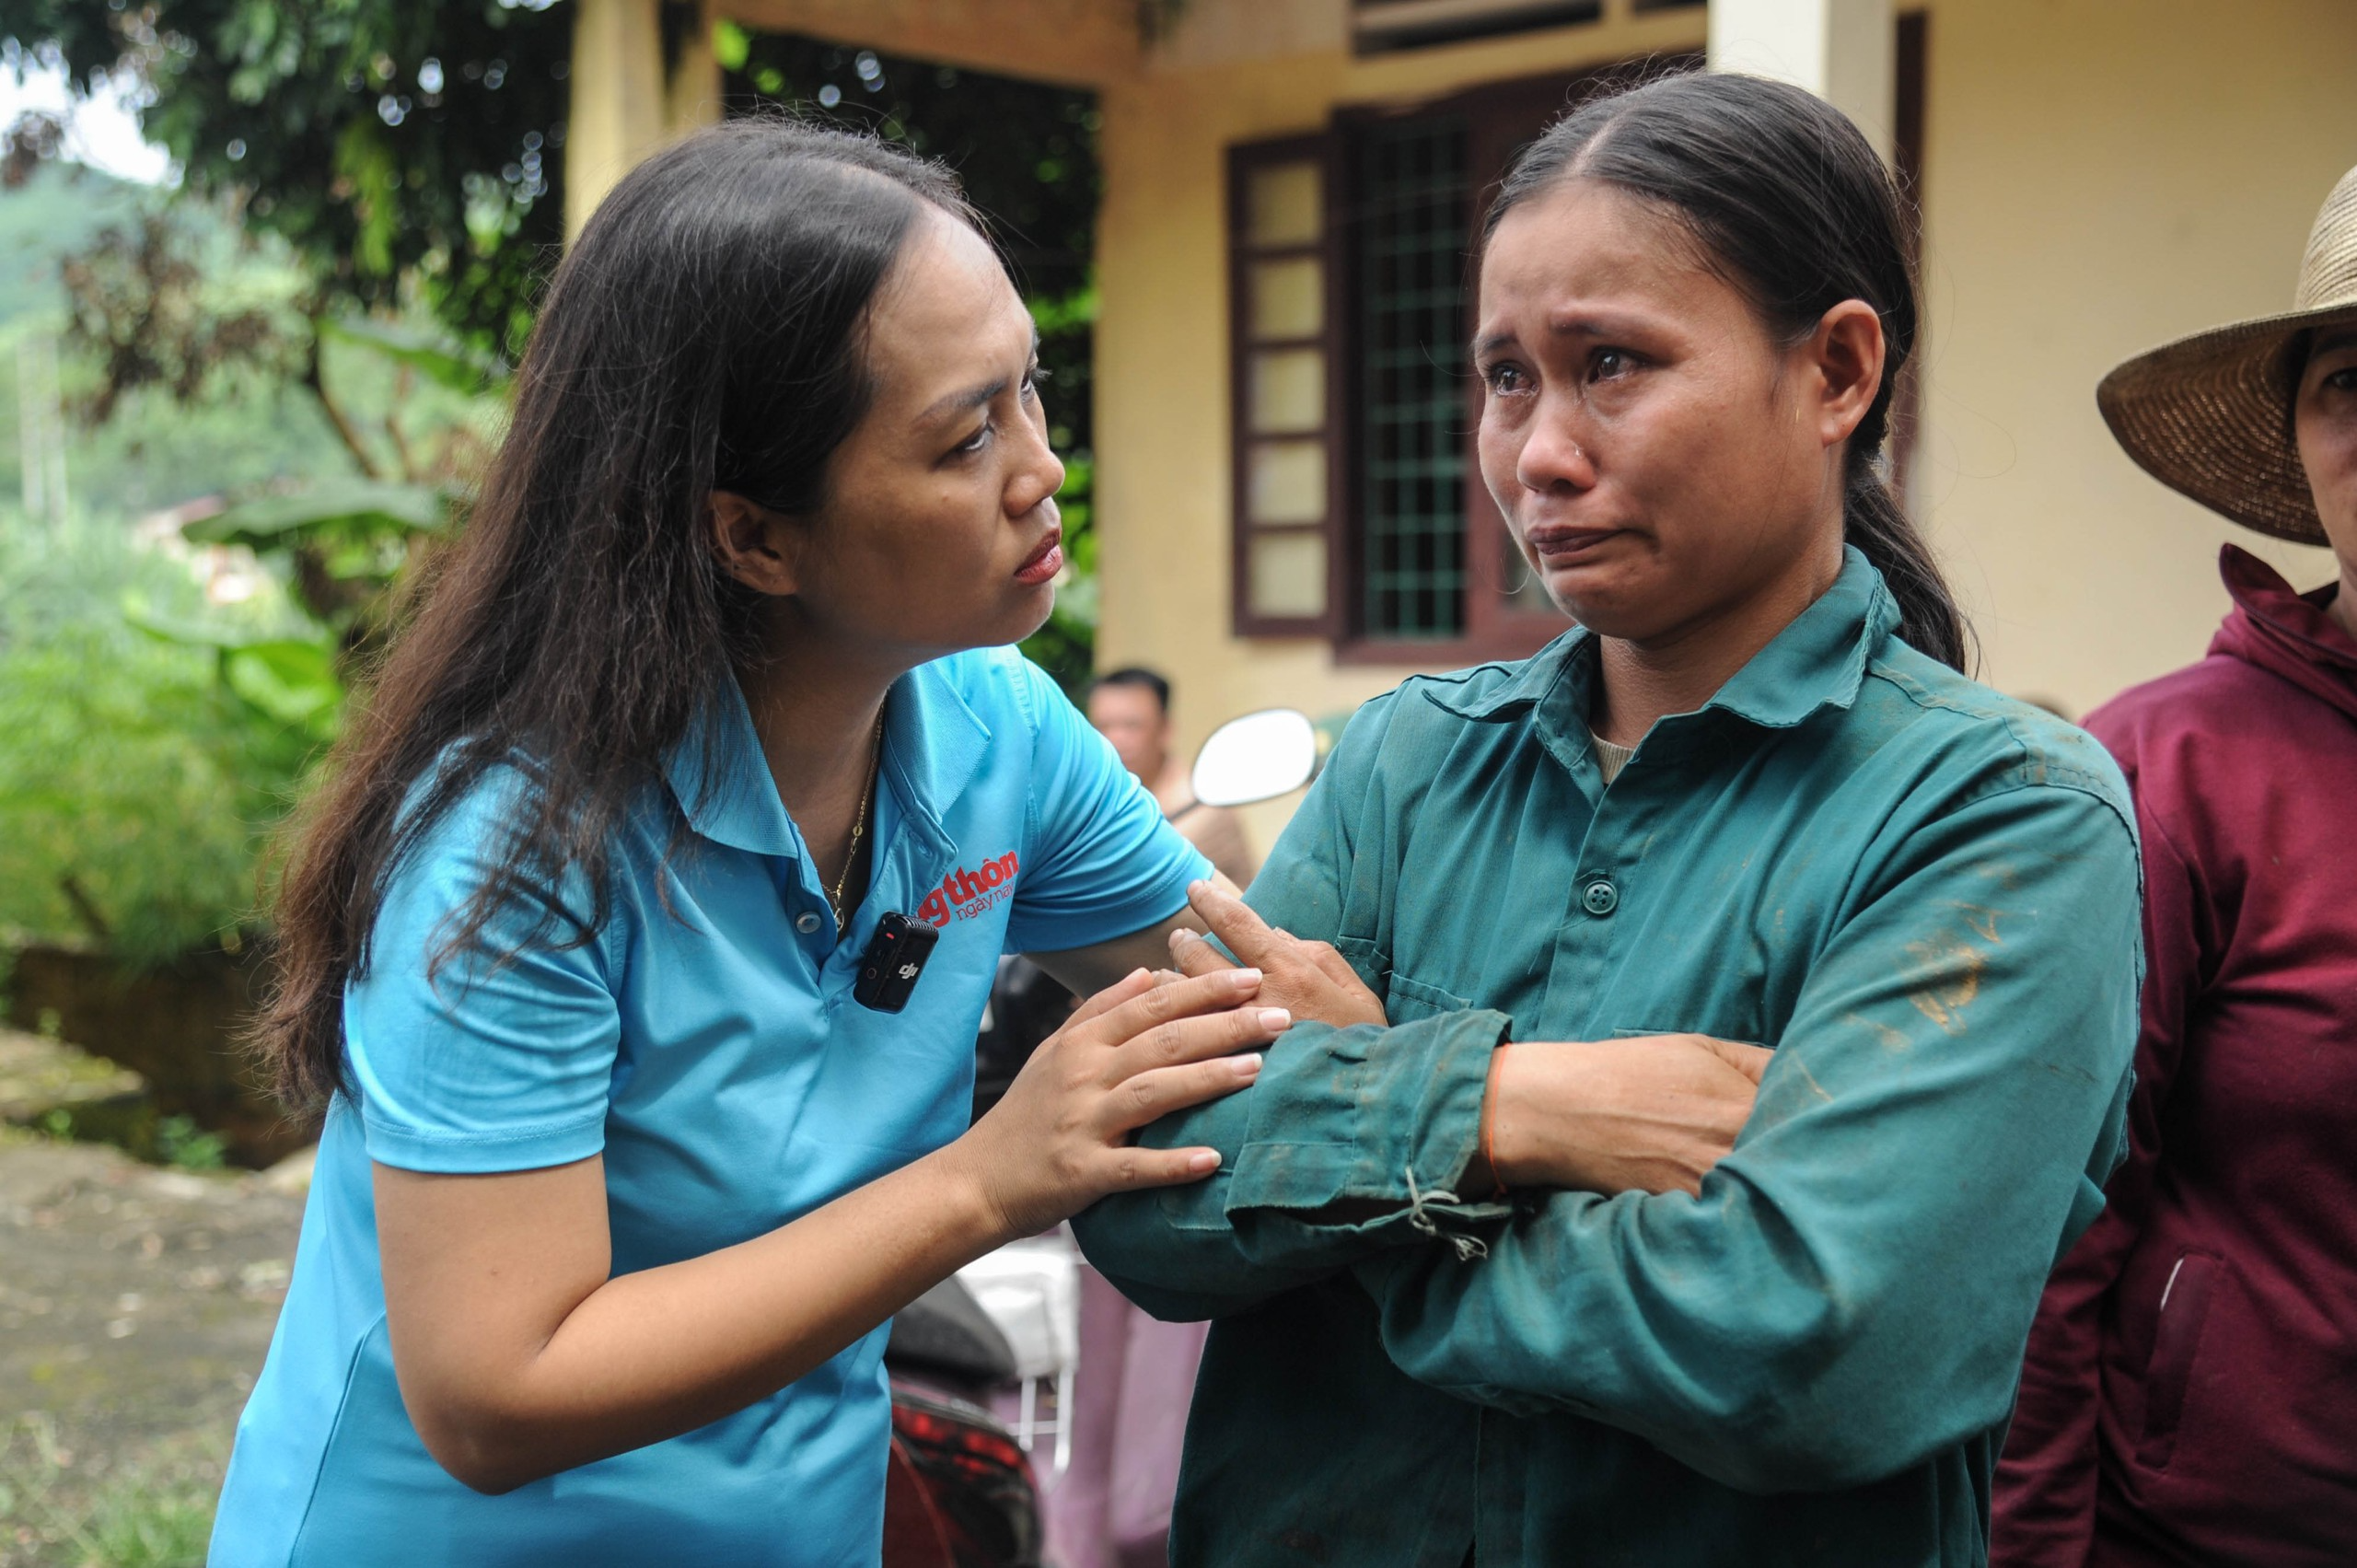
(1365, 1116)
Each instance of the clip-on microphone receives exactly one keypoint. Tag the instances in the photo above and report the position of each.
(895, 958)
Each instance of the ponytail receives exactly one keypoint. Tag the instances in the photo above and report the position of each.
(1873, 521)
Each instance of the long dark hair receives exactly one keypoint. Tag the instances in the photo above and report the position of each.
(1788, 200)
(703, 332)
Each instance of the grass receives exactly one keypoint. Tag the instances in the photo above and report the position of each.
(150, 1509)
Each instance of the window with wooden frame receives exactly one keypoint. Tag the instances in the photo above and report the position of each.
(1360, 513)
(1360, 516)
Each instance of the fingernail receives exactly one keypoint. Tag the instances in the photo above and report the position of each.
(1133, 974)
(1275, 1018)
(1205, 1161)
(1248, 1066)
(1183, 936)
(1244, 979)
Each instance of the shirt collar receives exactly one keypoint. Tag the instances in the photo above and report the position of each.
(1818, 661)
(933, 742)
(721, 781)
(2288, 634)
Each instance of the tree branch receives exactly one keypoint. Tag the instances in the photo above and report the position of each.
(341, 425)
(85, 909)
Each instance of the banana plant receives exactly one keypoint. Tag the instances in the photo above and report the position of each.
(344, 542)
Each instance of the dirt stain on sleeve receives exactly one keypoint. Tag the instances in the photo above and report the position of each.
(1980, 918)
(1944, 977)
(1889, 1039)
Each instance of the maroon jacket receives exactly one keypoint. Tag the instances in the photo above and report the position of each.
(2190, 1393)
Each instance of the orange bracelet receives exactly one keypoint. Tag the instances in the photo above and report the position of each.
(1490, 1120)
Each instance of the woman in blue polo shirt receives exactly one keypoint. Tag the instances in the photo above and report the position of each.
(617, 1179)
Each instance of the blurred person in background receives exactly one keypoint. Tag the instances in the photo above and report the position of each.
(1130, 707)
(2191, 1393)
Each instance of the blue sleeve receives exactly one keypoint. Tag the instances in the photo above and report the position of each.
(1099, 860)
(479, 1063)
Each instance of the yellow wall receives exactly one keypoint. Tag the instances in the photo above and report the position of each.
(2101, 177)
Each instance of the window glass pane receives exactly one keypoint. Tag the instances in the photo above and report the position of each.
(1288, 389)
(1286, 299)
(1412, 204)
(1287, 482)
(1288, 575)
(1281, 204)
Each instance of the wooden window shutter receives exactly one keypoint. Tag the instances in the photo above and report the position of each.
(1286, 391)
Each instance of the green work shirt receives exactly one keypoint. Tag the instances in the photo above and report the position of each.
(1923, 895)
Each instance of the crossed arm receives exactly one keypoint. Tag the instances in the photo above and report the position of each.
(1874, 1241)
(1472, 1116)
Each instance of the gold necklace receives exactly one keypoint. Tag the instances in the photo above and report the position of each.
(858, 827)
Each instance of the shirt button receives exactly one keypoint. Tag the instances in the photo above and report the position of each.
(1600, 897)
(807, 921)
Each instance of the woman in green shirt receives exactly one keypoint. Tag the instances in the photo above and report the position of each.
(1751, 798)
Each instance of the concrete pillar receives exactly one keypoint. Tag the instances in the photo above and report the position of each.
(692, 95)
(1843, 51)
(619, 99)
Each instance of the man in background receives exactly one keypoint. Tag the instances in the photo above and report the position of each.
(1131, 708)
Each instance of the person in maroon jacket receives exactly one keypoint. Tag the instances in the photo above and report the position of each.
(2191, 1391)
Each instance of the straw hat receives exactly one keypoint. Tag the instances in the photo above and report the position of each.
(2211, 415)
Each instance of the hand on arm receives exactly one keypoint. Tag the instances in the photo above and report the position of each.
(1646, 1114)
(520, 1354)
(1310, 979)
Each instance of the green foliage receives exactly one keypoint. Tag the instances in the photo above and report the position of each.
(1066, 646)
(452, 364)
(381, 139)
(154, 740)
(134, 1127)
(60, 209)
(137, 785)
(246, 426)
(179, 1142)
(348, 511)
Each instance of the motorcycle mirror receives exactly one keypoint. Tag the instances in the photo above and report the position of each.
(1257, 757)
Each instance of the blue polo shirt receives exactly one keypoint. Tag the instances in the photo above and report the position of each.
(705, 1041)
